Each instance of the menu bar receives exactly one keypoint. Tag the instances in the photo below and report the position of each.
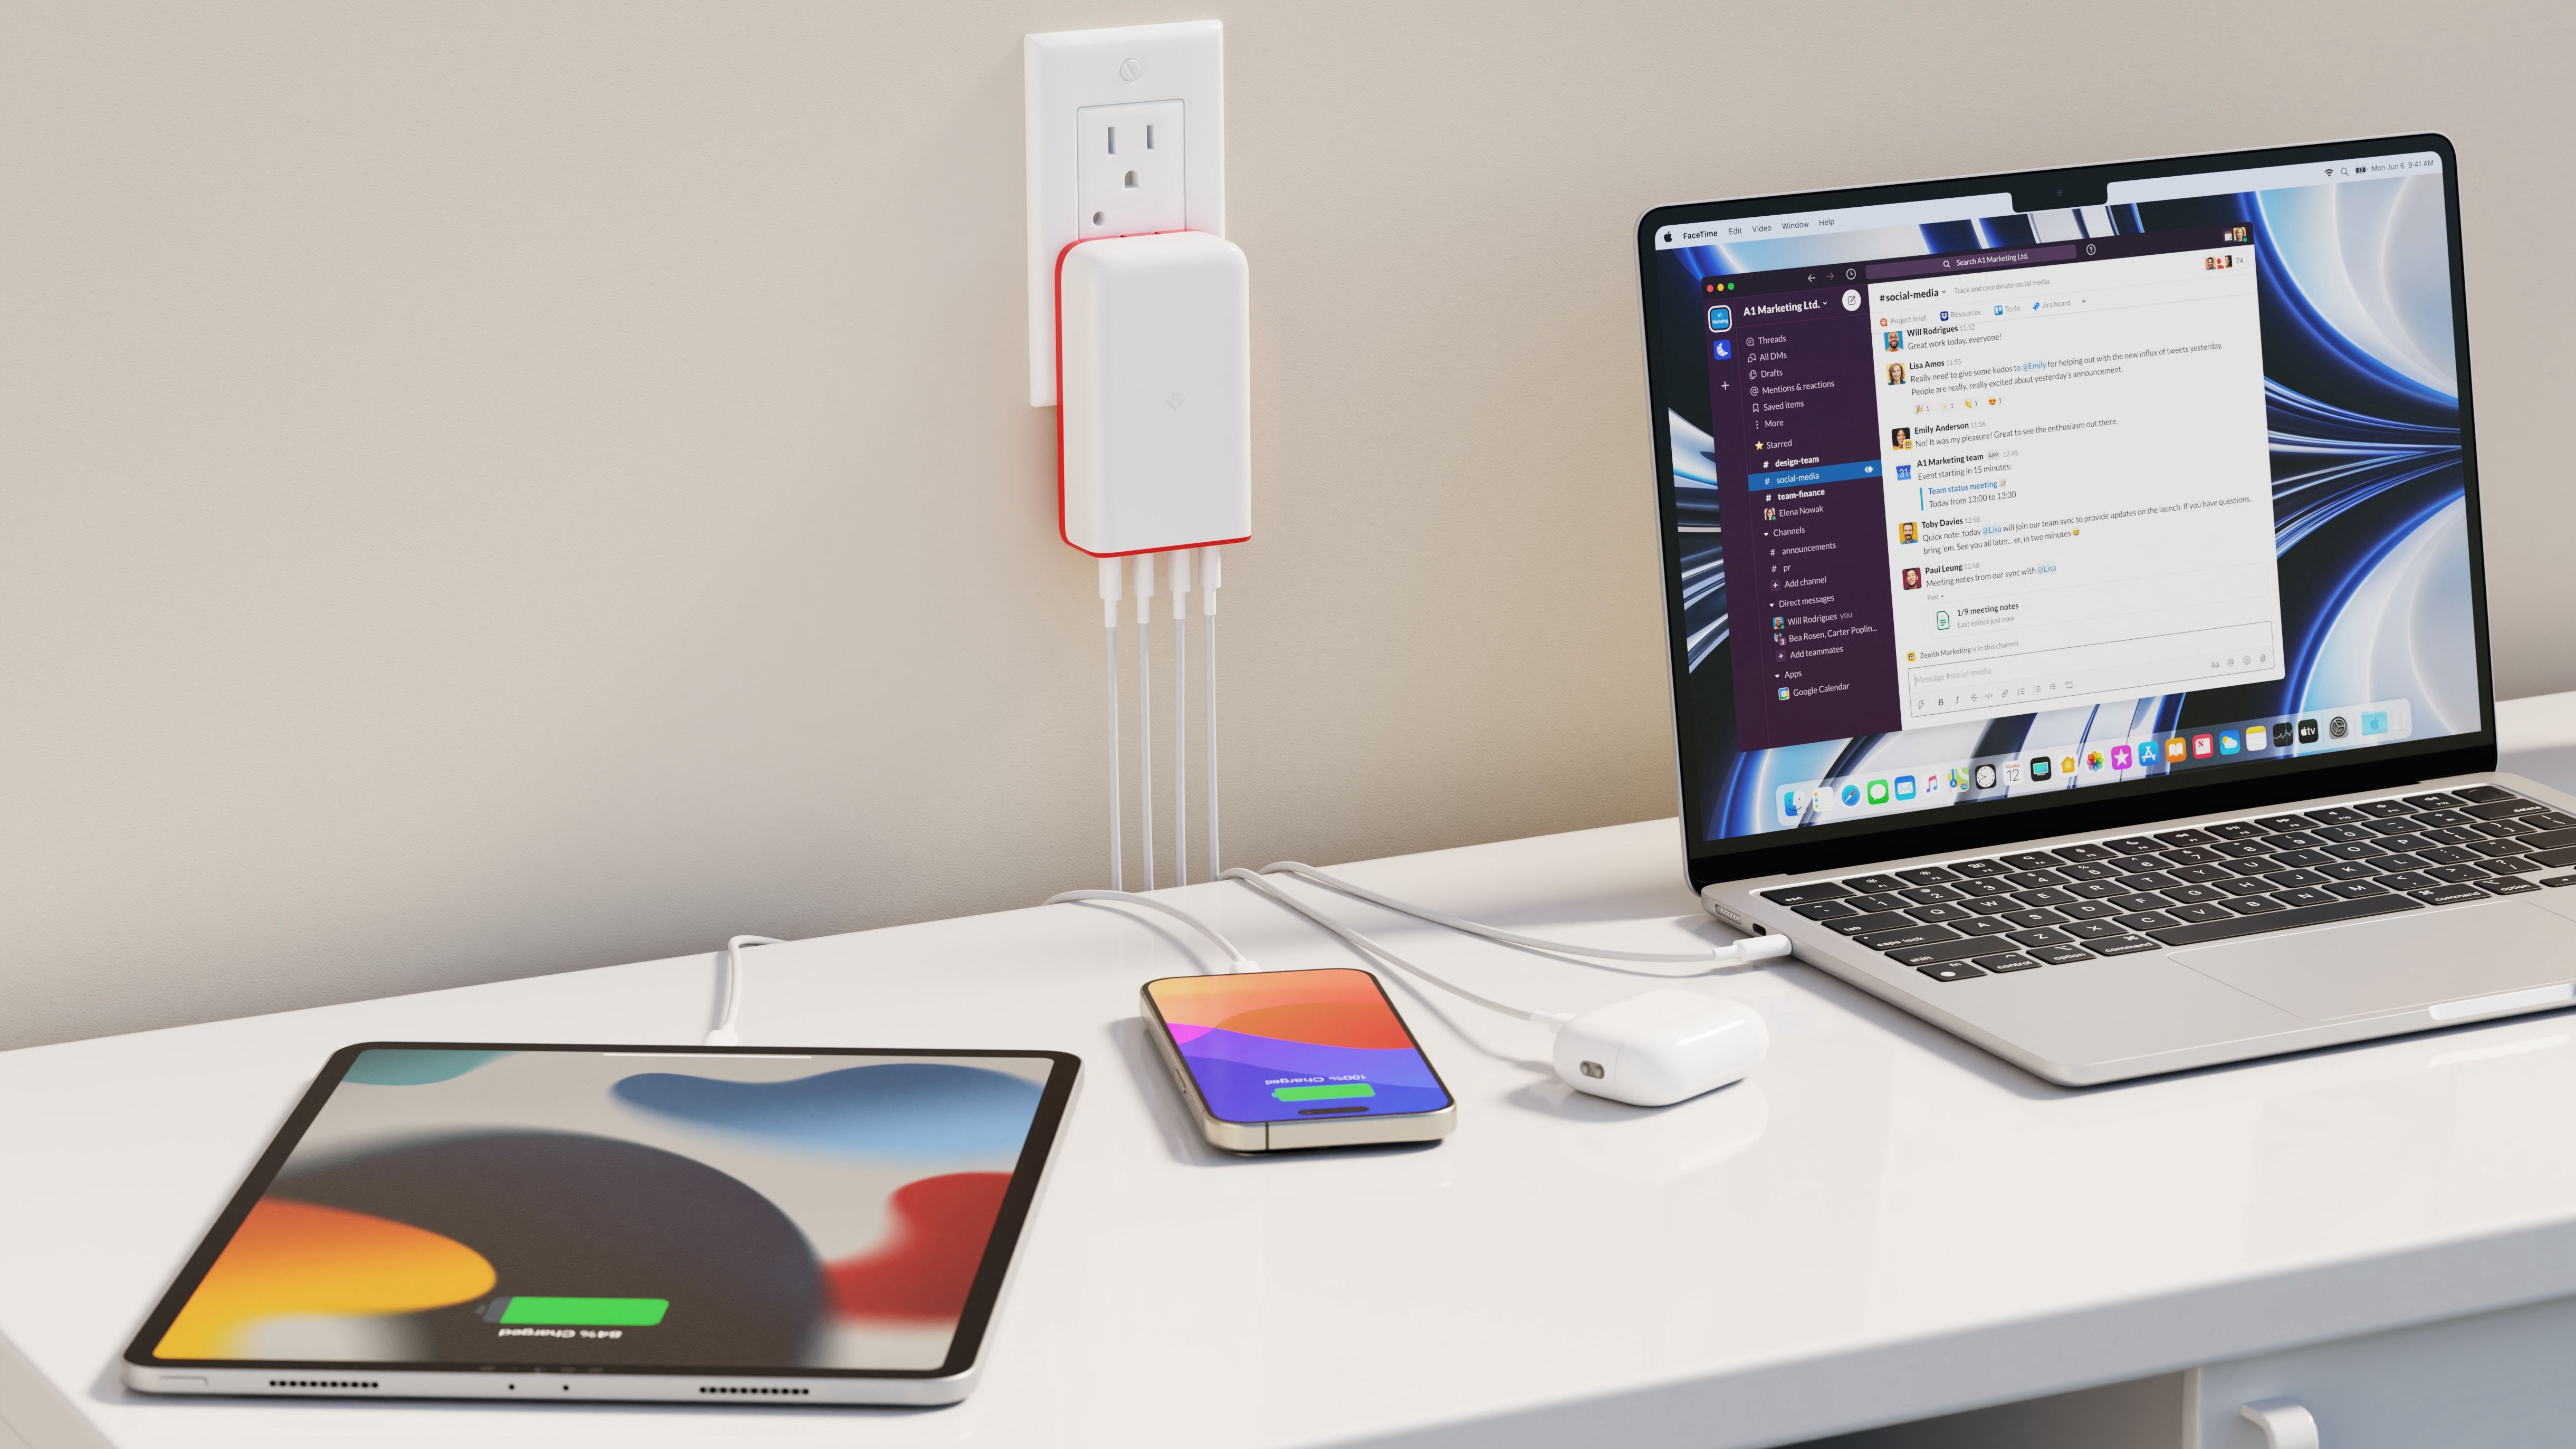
(1999, 203)
(1849, 218)
(2273, 178)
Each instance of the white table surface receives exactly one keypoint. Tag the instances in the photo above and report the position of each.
(1881, 1224)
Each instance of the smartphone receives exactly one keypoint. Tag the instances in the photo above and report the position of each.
(1274, 1060)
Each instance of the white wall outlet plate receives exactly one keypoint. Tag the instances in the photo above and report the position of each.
(1088, 90)
(1129, 168)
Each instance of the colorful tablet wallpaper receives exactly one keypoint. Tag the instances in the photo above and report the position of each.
(625, 1209)
(1281, 1046)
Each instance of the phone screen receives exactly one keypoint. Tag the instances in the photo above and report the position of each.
(1280, 1046)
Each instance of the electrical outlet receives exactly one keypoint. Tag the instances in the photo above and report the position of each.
(1082, 89)
(1128, 172)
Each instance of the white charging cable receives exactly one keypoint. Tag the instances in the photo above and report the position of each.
(1180, 717)
(1367, 947)
(1113, 587)
(1110, 575)
(1652, 1050)
(1145, 710)
(1750, 949)
(1211, 578)
(1239, 962)
(724, 1033)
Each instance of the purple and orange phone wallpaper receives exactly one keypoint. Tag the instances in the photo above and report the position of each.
(1279, 1046)
(453, 1206)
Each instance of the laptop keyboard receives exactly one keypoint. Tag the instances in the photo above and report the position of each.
(2000, 914)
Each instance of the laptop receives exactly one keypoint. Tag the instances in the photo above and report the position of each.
(2077, 610)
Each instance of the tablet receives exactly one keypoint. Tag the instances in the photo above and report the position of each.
(700, 1224)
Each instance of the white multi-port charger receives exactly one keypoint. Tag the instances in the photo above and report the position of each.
(1153, 342)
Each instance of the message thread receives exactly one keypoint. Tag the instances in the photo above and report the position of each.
(1958, 488)
(2086, 513)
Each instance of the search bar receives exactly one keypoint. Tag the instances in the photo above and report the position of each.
(1972, 262)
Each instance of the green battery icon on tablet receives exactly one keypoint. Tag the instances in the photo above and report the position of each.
(577, 1312)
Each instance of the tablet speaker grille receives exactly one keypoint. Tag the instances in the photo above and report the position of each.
(733, 1389)
(322, 1383)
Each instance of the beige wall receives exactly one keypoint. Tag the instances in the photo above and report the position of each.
(492, 488)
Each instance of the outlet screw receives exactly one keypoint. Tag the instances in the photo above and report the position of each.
(1130, 69)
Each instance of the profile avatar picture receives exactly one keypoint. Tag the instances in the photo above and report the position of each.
(1901, 439)
(1895, 373)
(1905, 533)
(1896, 342)
(1914, 578)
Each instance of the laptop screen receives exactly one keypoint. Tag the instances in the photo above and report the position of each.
(1966, 505)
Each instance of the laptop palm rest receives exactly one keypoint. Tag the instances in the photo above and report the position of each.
(2391, 964)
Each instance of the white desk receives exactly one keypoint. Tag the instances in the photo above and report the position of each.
(1882, 1224)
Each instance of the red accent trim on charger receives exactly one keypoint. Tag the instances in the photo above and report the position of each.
(1060, 530)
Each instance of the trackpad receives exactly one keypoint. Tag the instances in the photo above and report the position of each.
(2390, 963)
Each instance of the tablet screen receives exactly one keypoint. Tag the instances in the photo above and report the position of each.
(626, 1209)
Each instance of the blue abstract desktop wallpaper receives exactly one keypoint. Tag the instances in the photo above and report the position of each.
(2370, 511)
